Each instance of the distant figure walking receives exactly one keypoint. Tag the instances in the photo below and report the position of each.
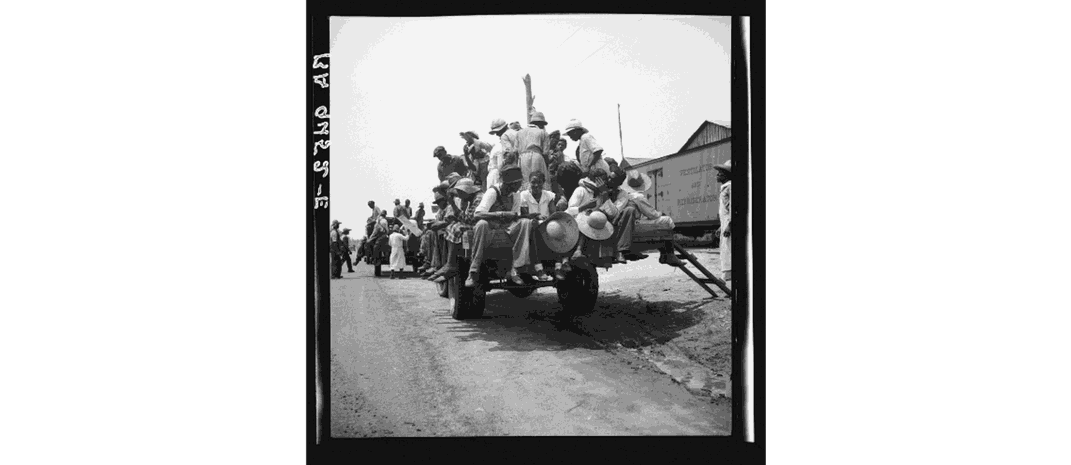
(346, 248)
(397, 252)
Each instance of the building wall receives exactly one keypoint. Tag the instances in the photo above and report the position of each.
(686, 186)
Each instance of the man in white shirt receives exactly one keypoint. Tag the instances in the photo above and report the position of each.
(504, 152)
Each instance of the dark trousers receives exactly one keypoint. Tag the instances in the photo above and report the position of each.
(336, 265)
(349, 264)
(624, 224)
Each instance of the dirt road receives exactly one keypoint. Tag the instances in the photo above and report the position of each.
(401, 366)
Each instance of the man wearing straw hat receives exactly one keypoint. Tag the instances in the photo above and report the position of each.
(634, 188)
(533, 144)
(336, 251)
(725, 215)
(503, 152)
(500, 208)
(477, 155)
(588, 150)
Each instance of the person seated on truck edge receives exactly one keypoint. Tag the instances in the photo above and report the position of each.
(462, 197)
(499, 208)
(433, 235)
(371, 223)
(537, 200)
(593, 209)
(635, 188)
(625, 220)
(446, 215)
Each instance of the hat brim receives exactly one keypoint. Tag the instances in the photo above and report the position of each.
(572, 232)
(592, 233)
(723, 168)
(494, 130)
(647, 183)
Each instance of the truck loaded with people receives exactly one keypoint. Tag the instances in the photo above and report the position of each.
(521, 214)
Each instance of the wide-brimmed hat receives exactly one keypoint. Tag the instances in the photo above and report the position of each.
(560, 232)
(516, 125)
(637, 182)
(595, 225)
(574, 124)
(440, 150)
(346, 230)
(497, 124)
(727, 167)
(471, 133)
(538, 118)
(335, 223)
(466, 185)
(452, 179)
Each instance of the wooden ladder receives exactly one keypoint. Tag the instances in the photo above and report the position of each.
(710, 278)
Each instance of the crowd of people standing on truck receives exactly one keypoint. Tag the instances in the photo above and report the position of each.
(526, 184)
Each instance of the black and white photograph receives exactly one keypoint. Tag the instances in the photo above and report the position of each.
(528, 237)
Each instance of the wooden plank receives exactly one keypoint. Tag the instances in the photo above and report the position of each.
(696, 279)
(695, 262)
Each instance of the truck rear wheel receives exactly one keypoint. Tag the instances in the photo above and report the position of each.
(580, 290)
(465, 302)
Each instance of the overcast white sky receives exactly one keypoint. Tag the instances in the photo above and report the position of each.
(402, 86)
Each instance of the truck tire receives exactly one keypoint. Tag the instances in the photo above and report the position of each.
(521, 292)
(465, 302)
(580, 290)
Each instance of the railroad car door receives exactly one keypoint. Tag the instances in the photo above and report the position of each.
(653, 194)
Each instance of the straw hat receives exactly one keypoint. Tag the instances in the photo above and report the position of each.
(450, 180)
(497, 124)
(471, 133)
(466, 185)
(595, 225)
(560, 232)
(637, 182)
(574, 124)
(727, 167)
(539, 118)
(335, 223)
(346, 230)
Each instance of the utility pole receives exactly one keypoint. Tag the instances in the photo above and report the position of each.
(620, 134)
(529, 99)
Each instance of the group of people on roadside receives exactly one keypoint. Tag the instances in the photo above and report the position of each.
(524, 188)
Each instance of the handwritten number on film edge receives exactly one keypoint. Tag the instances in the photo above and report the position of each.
(321, 201)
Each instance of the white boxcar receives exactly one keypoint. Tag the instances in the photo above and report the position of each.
(685, 185)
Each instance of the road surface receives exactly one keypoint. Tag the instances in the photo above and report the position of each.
(401, 366)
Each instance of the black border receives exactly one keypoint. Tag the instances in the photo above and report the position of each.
(318, 30)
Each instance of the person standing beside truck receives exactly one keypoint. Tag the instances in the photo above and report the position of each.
(397, 252)
(725, 216)
(346, 249)
(336, 251)
(463, 196)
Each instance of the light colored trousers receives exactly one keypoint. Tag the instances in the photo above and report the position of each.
(521, 233)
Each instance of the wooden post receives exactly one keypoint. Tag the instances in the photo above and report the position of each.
(620, 134)
(529, 99)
